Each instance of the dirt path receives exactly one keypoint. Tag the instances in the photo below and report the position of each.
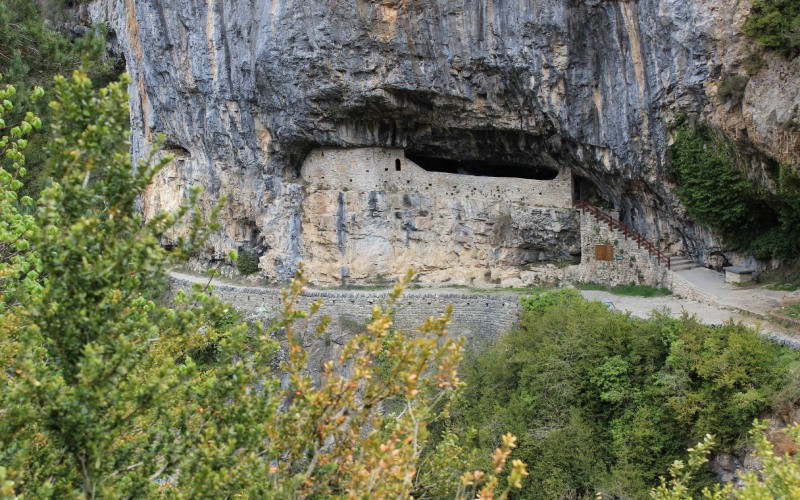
(753, 299)
(709, 314)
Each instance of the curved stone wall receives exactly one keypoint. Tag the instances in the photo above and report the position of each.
(479, 318)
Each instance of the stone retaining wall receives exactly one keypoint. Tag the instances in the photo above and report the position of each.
(479, 318)
(682, 287)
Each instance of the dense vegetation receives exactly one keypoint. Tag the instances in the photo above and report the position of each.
(605, 402)
(632, 290)
(247, 263)
(775, 24)
(109, 394)
(37, 43)
(719, 194)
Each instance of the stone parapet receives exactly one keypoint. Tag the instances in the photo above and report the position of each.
(479, 318)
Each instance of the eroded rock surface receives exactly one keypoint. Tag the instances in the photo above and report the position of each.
(371, 212)
(245, 90)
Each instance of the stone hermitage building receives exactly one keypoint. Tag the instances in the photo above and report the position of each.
(372, 213)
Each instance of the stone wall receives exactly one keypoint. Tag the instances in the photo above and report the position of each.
(388, 170)
(684, 288)
(363, 219)
(631, 263)
(478, 318)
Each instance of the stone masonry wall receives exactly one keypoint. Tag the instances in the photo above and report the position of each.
(478, 318)
(631, 265)
(684, 288)
(376, 169)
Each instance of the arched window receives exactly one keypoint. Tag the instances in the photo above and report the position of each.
(397, 164)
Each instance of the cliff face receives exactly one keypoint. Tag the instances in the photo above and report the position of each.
(245, 90)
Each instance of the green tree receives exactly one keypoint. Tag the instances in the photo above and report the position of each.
(109, 394)
(779, 476)
(719, 194)
(602, 401)
(716, 193)
(33, 51)
(775, 24)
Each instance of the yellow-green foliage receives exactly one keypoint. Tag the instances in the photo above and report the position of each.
(108, 394)
(19, 266)
(32, 53)
(779, 476)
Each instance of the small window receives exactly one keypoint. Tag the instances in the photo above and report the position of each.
(386, 169)
(397, 164)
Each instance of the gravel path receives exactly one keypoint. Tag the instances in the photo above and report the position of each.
(753, 299)
(642, 307)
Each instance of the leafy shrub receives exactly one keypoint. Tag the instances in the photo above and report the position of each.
(775, 24)
(752, 62)
(778, 476)
(539, 302)
(714, 191)
(31, 54)
(731, 88)
(718, 194)
(772, 242)
(247, 263)
(605, 402)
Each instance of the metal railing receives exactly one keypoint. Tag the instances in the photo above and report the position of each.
(628, 232)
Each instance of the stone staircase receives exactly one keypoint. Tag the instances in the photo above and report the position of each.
(628, 233)
(681, 263)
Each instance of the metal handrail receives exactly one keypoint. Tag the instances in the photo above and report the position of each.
(616, 224)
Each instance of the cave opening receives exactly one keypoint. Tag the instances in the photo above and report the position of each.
(484, 168)
(585, 189)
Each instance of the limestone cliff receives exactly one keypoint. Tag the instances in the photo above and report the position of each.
(245, 90)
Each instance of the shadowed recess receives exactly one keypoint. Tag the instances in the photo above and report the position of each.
(484, 168)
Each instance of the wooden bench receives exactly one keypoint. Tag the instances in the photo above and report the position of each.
(738, 275)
